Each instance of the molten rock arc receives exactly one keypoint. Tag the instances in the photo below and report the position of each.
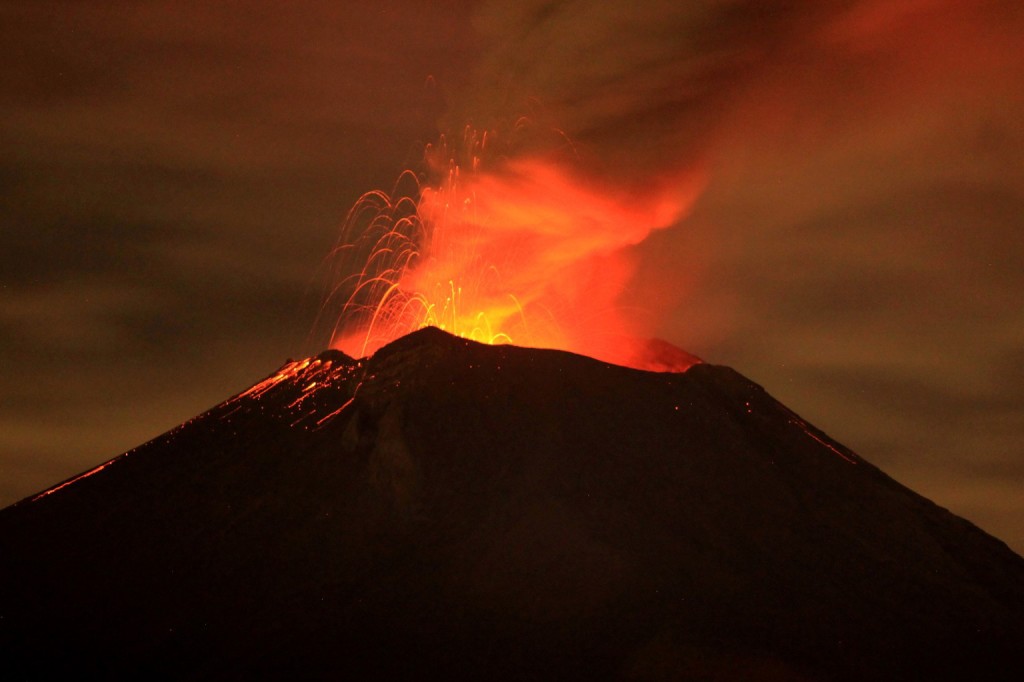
(497, 249)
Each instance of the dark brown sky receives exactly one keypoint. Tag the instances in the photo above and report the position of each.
(173, 173)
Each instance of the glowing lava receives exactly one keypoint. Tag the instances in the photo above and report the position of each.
(499, 249)
(311, 392)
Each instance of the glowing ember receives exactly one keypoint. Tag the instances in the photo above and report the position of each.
(498, 249)
(305, 391)
(76, 479)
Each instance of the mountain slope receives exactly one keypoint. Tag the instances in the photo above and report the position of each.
(457, 510)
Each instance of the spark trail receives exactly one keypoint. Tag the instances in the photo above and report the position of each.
(496, 247)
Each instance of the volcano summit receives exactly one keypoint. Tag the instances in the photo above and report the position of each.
(445, 509)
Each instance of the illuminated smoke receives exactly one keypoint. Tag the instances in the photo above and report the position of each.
(497, 247)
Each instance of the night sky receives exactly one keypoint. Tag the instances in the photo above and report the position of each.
(173, 174)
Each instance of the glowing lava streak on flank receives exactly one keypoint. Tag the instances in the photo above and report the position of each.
(510, 250)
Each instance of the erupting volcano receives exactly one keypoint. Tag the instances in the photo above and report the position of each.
(492, 458)
(497, 248)
(446, 509)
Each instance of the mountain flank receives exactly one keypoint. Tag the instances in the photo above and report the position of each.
(446, 509)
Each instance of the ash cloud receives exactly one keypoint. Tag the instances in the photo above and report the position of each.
(857, 246)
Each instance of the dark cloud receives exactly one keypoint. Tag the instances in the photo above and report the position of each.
(173, 174)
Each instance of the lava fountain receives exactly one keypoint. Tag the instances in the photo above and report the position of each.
(494, 247)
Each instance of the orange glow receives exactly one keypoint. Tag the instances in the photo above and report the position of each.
(304, 390)
(76, 479)
(806, 428)
(498, 249)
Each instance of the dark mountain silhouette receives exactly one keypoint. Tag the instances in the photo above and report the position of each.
(451, 510)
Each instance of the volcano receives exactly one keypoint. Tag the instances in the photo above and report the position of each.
(446, 509)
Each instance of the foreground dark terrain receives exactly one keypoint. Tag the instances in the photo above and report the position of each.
(452, 510)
